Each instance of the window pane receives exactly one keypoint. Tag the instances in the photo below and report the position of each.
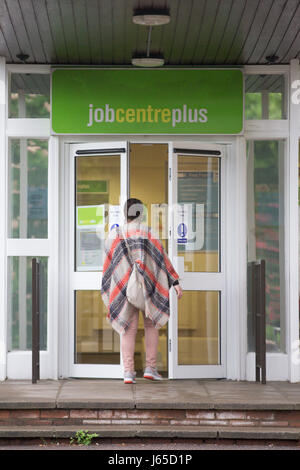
(198, 189)
(265, 97)
(29, 96)
(152, 160)
(28, 189)
(198, 328)
(97, 195)
(266, 232)
(20, 303)
(96, 341)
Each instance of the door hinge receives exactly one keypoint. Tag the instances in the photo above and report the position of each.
(170, 174)
(170, 345)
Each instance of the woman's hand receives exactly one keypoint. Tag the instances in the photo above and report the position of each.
(178, 290)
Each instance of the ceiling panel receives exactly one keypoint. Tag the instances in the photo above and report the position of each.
(270, 83)
(101, 32)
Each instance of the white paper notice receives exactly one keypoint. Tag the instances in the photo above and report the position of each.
(114, 216)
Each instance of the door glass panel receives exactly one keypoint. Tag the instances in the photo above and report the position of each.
(96, 342)
(198, 328)
(198, 217)
(149, 183)
(97, 196)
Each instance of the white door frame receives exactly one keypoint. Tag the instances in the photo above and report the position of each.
(197, 281)
(236, 282)
(90, 280)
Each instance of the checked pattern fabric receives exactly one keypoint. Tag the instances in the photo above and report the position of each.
(152, 262)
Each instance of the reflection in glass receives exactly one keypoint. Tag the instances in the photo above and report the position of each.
(29, 95)
(198, 328)
(265, 97)
(149, 183)
(96, 341)
(265, 213)
(20, 303)
(28, 189)
(97, 207)
(198, 187)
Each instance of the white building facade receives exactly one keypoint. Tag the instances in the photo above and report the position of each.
(249, 199)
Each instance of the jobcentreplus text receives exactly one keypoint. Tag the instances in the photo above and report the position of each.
(149, 114)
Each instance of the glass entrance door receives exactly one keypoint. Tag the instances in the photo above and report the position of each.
(98, 192)
(182, 188)
(148, 181)
(197, 323)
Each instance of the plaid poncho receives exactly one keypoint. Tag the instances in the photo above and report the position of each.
(152, 262)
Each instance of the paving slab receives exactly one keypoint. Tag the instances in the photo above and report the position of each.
(259, 433)
(95, 394)
(184, 394)
(24, 394)
(248, 395)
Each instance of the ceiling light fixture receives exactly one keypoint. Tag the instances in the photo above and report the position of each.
(152, 17)
(147, 61)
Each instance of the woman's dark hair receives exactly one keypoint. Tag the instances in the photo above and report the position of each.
(133, 208)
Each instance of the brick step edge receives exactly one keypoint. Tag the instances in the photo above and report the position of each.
(140, 405)
(151, 431)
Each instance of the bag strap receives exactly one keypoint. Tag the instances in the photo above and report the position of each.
(127, 245)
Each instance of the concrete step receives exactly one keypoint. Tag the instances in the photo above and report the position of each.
(140, 431)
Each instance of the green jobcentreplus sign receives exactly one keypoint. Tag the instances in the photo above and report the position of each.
(147, 101)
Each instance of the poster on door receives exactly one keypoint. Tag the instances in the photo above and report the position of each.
(90, 237)
(114, 216)
(190, 226)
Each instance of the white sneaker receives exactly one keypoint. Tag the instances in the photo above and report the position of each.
(129, 377)
(152, 374)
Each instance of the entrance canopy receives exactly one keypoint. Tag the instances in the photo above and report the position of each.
(101, 32)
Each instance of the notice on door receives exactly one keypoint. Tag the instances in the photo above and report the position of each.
(114, 217)
(190, 226)
(90, 237)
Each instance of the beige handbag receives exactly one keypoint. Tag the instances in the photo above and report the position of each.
(135, 287)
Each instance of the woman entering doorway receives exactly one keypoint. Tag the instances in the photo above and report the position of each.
(135, 243)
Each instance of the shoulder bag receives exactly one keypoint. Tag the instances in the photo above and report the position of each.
(135, 292)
